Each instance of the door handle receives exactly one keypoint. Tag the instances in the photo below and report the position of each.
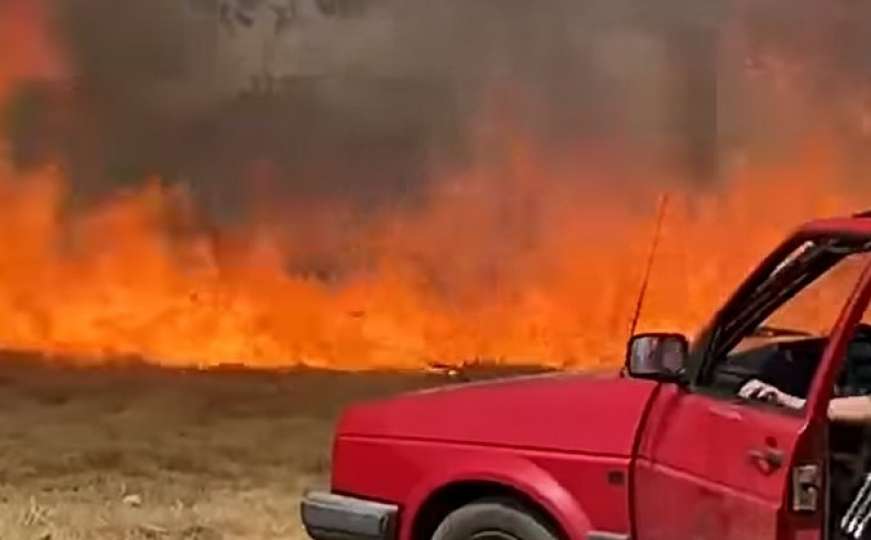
(767, 459)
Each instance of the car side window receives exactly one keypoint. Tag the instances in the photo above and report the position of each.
(778, 333)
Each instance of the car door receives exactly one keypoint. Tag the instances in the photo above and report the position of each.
(712, 467)
(712, 470)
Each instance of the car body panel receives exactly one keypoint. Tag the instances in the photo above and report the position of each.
(546, 436)
(596, 415)
(573, 488)
(698, 449)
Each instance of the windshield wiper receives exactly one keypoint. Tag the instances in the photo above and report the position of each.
(774, 331)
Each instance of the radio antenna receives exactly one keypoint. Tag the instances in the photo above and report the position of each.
(660, 217)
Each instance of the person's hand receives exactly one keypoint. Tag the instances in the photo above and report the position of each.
(758, 390)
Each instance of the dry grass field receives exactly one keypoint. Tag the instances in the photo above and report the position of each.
(133, 452)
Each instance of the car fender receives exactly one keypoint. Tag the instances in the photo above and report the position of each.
(511, 471)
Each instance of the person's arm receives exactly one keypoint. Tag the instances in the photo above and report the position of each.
(846, 410)
(850, 410)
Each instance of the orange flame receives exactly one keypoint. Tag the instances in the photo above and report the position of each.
(527, 255)
(513, 260)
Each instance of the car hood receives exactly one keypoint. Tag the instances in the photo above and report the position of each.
(596, 414)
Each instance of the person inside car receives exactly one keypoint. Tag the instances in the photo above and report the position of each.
(846, 409)
(851, 494)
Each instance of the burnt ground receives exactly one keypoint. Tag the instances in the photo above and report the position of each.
(134, 452)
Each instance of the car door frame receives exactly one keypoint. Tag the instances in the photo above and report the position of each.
(809, 446)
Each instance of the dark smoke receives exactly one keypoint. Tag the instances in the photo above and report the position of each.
(383, 91)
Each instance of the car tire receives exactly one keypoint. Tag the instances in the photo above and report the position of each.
(492, 520)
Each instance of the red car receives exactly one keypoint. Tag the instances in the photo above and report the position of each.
(664, 450)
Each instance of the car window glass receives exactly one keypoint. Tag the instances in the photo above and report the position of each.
(784, 350)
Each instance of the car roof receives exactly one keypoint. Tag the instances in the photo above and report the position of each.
(857, 225)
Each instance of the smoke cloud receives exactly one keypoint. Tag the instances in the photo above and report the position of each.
(361, 100)
(348, 97)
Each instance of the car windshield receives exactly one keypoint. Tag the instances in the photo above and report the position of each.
(799, 298)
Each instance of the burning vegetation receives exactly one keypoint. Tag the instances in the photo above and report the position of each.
(516, 243)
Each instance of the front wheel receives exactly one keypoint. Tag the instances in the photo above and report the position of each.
(492, 521)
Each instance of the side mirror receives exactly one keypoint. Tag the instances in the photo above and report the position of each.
(657, 356)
